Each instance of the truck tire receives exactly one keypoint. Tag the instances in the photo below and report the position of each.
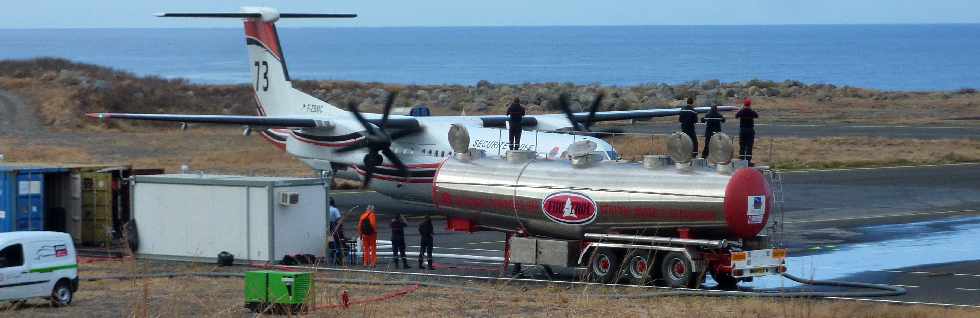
(604, 266)
(725, 280)
(637, 267)
(677, 271)
(61, 295)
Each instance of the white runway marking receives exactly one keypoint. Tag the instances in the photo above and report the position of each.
(485, 242)
(461, 249)
(341, 192)
(881, 168)
(867, 126)
(904, 302)
(879, 216)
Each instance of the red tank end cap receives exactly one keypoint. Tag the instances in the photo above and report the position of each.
(748, 202)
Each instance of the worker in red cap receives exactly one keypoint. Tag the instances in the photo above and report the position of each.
(746, 132)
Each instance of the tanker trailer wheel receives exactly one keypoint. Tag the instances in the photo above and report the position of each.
(638, 267)
(677, 271)
(725, 280)
(604, 266)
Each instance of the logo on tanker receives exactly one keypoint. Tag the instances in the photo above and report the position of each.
(570, 208)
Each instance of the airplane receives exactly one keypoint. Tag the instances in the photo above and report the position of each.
(402, 153)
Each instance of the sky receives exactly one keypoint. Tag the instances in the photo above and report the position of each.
(374, 13)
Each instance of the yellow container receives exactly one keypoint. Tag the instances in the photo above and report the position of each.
(96, 208)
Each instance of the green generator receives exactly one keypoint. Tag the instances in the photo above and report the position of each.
(277, 291)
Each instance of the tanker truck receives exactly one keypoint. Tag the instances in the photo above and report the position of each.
(669, 220)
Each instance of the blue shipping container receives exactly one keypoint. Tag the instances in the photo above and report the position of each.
(22, 197)
(6, 201)
(30, 201)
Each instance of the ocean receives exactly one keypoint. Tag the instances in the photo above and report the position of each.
(887, 57)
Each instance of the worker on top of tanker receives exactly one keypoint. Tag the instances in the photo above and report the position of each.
(398, 224)
(367, 227)
(688, 117)
(516, 121)
(712, 124)
(425, 234)
(746, 132)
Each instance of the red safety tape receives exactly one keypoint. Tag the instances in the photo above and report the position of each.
(395, 294)
(270, 266)
(472, 268)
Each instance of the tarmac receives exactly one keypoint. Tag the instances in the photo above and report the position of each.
(828, 216)
(967, 129)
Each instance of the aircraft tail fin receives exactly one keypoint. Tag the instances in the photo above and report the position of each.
(274, 91)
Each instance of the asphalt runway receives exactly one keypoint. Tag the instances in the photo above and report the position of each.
(824, 212)
(968, 129)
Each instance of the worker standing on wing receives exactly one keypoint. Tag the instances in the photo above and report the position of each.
(367, 227)
(746, 132)
(688, 117)
(712, 124)
(516, 120)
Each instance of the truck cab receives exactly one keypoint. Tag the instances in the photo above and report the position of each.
(38, 264)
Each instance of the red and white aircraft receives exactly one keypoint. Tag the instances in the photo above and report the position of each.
(401, 152)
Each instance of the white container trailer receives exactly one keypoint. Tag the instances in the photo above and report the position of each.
(195, 217)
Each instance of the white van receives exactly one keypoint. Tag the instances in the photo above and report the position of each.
(38, 264)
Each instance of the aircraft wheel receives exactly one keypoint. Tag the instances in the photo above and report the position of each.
(725, 280)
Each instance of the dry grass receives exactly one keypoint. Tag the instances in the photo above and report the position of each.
(213, 150)
(833, 152)
(208, 297)
(225, 150)
(906, 108)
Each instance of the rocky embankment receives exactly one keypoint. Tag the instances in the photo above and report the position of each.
(64, 90)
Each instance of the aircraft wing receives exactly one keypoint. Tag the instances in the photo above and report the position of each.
(557, 121)
(263, 121)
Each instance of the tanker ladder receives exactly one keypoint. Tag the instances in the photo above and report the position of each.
(644, 260)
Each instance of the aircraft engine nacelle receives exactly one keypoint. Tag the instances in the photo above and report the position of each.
(565, 199)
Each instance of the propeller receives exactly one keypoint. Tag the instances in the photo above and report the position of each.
(378, 141)
(587, 124)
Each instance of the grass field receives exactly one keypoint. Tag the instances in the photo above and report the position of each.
(829, 152)
(225, 150)
(223, 297)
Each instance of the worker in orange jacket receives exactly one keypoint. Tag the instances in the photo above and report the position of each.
(367, 227)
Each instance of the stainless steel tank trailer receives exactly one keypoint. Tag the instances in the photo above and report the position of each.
(668, 220)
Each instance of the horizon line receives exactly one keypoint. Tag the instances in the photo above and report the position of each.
(498, 26)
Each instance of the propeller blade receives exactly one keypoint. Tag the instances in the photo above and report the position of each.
(405, 133)
(388, 102)
(395, 161)
(565, 108)
(592, 109)
(368, 174)
(352, 106)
